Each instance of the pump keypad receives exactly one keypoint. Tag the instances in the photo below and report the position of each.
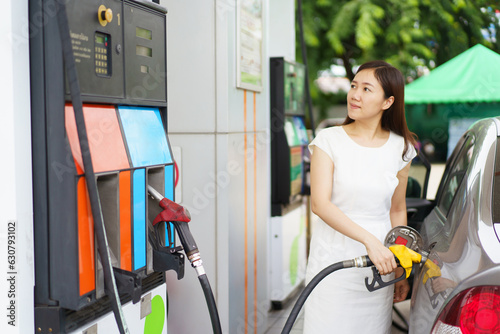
(102, 54)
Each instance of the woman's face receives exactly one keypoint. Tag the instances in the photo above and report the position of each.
(366, 98)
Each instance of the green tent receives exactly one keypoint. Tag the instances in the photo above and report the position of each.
(441, 106)
(472, 76)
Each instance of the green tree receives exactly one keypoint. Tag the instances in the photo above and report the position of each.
(407, 33)
(458, 25)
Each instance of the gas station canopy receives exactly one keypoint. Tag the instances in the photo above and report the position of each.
(472, 76)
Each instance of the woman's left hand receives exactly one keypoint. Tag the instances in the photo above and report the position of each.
(401, 288)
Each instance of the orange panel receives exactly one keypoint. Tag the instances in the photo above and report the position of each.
(104, 136)
(79, 170)
(86, 252)
(125, 222)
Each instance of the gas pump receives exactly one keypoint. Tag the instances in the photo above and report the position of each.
(289, 156)
(116, 82)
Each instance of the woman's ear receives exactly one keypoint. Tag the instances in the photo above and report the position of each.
(388, 103)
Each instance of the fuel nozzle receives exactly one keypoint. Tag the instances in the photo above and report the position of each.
(407, 246)
(179, 217)
(407, 257)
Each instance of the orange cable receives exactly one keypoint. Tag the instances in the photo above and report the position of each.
(246, 206)
(255, 211)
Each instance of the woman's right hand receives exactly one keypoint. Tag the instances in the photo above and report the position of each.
(381, 256)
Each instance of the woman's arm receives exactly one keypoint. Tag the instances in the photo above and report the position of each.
(321, 192)
(399, 217)
(398, 206)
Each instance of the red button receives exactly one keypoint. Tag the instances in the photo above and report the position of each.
(401, 241)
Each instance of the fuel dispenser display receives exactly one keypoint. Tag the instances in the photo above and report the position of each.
(119, 50)
(289, 156)
(290, 139)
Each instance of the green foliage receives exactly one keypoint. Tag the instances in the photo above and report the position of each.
(407, 34)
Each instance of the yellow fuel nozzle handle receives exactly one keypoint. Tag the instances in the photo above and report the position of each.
(406, 257)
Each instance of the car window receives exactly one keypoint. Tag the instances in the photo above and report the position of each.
(454, 176)
(496, 187)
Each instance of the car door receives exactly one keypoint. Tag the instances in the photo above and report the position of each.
(444, 232)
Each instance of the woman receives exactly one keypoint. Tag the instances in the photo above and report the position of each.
(359, 173)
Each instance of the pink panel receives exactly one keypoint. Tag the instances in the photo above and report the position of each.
(104, 135)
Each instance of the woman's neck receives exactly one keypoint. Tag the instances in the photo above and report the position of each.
(370, 135)
(367, 130)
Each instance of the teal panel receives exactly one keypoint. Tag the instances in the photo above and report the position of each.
(169, 182)
(145, 136)
(169, 193)
(139, 205)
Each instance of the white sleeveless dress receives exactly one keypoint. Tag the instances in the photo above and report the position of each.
(364, 180)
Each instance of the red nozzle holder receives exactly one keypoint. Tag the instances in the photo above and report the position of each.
(172, 212)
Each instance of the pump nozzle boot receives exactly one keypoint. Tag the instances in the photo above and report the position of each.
(171, 210)
(179, 217)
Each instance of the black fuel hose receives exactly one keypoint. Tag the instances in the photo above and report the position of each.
(190, 247)
(193, 255)
(366, 262)
(212, 306)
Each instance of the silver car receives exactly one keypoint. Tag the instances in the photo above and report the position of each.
(458, 288)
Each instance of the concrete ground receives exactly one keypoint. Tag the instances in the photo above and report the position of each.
(277, 319)
(404, 310)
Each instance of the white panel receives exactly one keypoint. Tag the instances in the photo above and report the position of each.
(288, 252)
(281, 29)
(256, 215)
(225, 172)
(263, 214)
(190, 65)
(199, 197)
(132, 314)
(262, 113)
(15, 171)
(225, 10)
(236, 216)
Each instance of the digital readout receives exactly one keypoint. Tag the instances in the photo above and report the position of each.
(99, 39)
(143, 33)
(143, 51)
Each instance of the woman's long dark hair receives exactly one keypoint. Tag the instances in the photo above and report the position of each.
(393, 119)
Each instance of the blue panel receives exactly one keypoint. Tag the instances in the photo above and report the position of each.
(139, 203)
(172, 237)
(169, 193)
(169, 182)
(145, 136)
